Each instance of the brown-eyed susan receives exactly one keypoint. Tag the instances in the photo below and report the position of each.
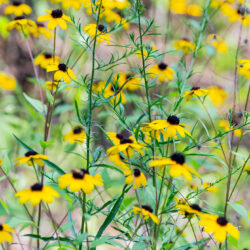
(162, 71)
(177, 164)
(226, 126)
(5, 233)
(195, 92)
(155, 128)
(37, 193)
(80, 179)
(185, 45)
(247, 169)
(147, 52)
(7, 82)
(115, 137)
(128, 81)
(115, 16)
(75, 4)
(189, 210)
(51, 85)
(55, 18)
(17, 8)
(4, 1)
(100, 32)
(219, 226)
(217, 42)
(22, 24)
(193, 10)
(40, 29)
(178, 7)
(77, 135)
(218, 3)
(62, 72)
(147, 212)
(118, 160)
(46, 59)
(136, 177)
(30, 158)
(244, 67)
(217, 95)
(210, 187)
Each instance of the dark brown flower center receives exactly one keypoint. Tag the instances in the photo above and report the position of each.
(126, 140)
(16, 3)
(222, 221)
(195, 88)
(185, 39)
(40, 24)
(79, 173)
(119, 136)
(241, 10)
(147, 207)
(173, 120)
(162, 66)
(56, 13)
(47, 55)
(121, 157)
(1, 227)
(101, 27)
(178, 157)
(37, 187)
(128, 76)
(62, 67)
(196, 207)
(19, 17)
(137, 172)
(31, 152)
(78, 130)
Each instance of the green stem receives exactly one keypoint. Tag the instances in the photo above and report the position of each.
(83, 216)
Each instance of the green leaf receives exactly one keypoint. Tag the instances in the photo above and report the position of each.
(3, 208)
(16, 221)
(54, 166)
(139, 246)
(23, 144)
(6, 164)
(240, 210)
(36, 104)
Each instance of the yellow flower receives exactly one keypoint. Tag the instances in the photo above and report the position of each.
(5, 235)
(189, 210)
(75, 4)
(115, 16)
(178, 6)
(136, 177)
(31, 157)
(80, 179)
(77, 135)
(146, 52)
(155, 128)
(210, 188)
(128, 81)
(146, 212)
(219, 226)
(4, 1)
(217, 95)
(247, 169)
(101, 36)
(177, 164)
(40, 30)
(195, 92)
(37, 193)
(162, 71)
(219, 3)
(244, 67)
(1, 160)
(55, 18)
(7, 82)
(126, 146)
(119, 4)
(62, 71)
(217, 42)
(22, 24)
(118, 160)
(51, 85)
(18, 9)
(46, 59)
(194, 10)
(226, 125)
(185, 45)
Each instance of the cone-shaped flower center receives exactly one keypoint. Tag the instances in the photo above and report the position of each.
(195, 88)
(77, 130)
(119, 136)
(185, 39)
(1, 227)
(121, 157)
(47, 55)
(147, 207)
(173, 120)
(79, 173)
(222, 221)
(31, 152)
(37, 187)
(196, 207)
(101, 27)
(56, 13)
(62, 67)
(178, 157)
(40, 24)
(137, 172)
(19, 17)
(16, 3)
(126, 140)
(162, 66)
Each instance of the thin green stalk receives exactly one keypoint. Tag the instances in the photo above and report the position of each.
(83, 215)
(197, 242)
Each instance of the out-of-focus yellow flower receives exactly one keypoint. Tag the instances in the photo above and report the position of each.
(117, 17)
(101, 36)
(46, 59)
(127, 81)
(75, 4)
(195, 92)
(226, 125)
(219, 226)
(146, 212)
(178, 6)
(4, 1)
(40, 29)
(244, 67)
(22, 24)
(77, 135)
(5, 235)
(18, 9)
(218, 43)
(136, 177)
(185, 45)
(163, 71)
(55, 18)
(247, 169)
(7, 82)
(146, 52)
(219, 3)
(194, 10)
(217, 95)
(206, 186)
(118, 160)
(51, 85)
(189, 210)
(154, 128)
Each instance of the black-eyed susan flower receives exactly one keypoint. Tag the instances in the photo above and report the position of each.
(244, 67)
(217, 95)
(7, 82)
(195, 92)
(217, 42)
(210, 187)
(128, 81)
(193, 10)
(147, 212)
(37, 193)
(75, 4)
(147, 51)
(17, 8)
(177, 164)
(218, 3)
(99, 32)
(40, 29)
(46, 59)
(178, 7)
(247, 169)
(155, 128)
(62, 72)
(136, 177)
(226, 126)
(115, 16)
(80, 179)
(22, 24)
(118, 160)
(163, 71)
(55, 18)
(51, 85)
(185, 45)
(219, 226)
(4, 1)
(189, 210)
(5, 235)
(77, 135)
(30, 158)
